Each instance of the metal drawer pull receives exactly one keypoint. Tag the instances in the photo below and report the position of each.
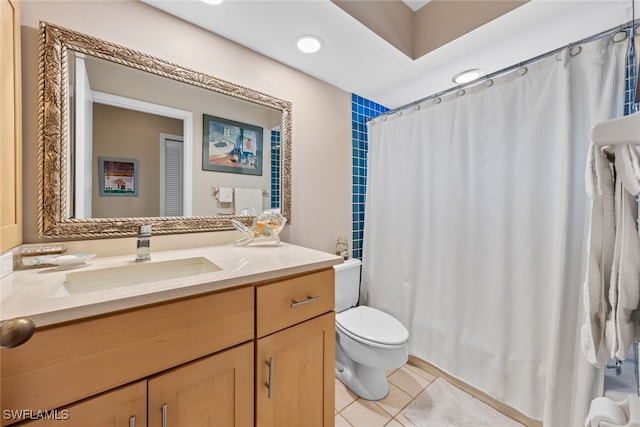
(15, 332)
(295, 303)
(164, 415)
(132, 422)
(269, 384)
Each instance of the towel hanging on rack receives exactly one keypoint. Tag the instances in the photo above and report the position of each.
(611, 287)
(225, 194)
(625, 275)
(600, 188)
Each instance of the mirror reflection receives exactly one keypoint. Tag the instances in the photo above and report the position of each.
(123, 113)
(137, 139)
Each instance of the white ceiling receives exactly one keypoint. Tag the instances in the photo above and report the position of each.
(415, 4)
(359, 61)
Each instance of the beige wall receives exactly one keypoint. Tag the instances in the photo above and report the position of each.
(129, 134)
(321, 194)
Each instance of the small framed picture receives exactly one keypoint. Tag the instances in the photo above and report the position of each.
(230, 146)
(118, 177)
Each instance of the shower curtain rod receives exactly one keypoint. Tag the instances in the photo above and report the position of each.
(624, 27)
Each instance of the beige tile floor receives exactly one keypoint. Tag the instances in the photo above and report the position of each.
(405, 384)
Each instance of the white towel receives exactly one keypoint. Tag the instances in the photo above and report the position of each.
(625, 275)
(248, 201)
(628, 167)
(225, 194)
(612, 282)
(605, 412)
(600, 187)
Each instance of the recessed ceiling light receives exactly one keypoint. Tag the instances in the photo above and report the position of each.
(467, 76)
(309, 43)
(214, 2)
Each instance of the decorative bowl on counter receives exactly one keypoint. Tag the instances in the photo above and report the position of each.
(267, 225)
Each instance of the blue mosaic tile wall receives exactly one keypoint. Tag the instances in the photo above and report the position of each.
(361, 110)
(631, 76)
(275, 169)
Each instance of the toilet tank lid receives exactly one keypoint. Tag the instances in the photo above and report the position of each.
(349, 263)
(373, 325)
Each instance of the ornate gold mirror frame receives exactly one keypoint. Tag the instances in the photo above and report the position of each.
(54, 143)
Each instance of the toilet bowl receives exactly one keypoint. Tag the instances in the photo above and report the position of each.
(369, 342)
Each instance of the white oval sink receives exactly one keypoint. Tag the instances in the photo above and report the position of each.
(134, 274)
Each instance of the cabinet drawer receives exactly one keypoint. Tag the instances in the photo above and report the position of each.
(65, 363)
(287, 302)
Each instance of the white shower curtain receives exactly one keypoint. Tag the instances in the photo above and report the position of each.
(475, 228)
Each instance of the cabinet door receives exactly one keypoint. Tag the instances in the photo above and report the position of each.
(216, 391)
(11, 128)
(295, 375)
(123, 407)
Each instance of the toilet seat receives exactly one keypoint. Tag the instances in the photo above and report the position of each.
(372, 326)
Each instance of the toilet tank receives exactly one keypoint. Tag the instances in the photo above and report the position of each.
(347, 284)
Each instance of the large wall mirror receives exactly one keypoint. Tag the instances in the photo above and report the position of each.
(127, 139)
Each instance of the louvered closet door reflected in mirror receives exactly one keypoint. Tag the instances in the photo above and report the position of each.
(171, 175)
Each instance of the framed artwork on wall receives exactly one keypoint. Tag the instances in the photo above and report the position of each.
(229, 146)
(118, 177)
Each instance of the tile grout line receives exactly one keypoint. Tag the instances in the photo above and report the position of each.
(430, 380)
(411, 401)
(393, 417)
(408, 403)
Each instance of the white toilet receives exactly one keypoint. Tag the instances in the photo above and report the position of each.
(369, 342)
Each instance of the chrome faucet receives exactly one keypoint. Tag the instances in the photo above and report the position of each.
(143, 248)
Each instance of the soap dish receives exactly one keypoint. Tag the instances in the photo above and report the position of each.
(66, 262)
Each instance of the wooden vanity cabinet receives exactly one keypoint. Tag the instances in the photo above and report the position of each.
(214, 391)
(295, 352)
(10, 126)
(125, 406)
(64, 364)
(260, 355)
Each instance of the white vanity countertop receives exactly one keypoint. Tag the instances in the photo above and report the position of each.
(32, 293)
